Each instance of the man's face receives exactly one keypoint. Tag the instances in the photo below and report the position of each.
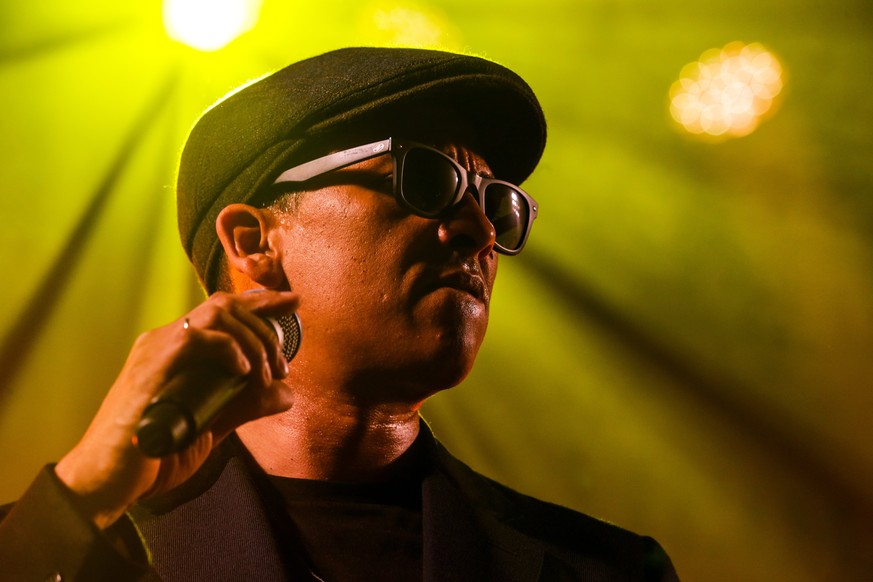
(391, 301)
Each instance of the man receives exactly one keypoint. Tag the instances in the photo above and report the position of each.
(371, 191)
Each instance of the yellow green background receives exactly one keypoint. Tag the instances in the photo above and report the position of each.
(684, 348)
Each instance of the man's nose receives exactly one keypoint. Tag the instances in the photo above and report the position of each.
(466, 228)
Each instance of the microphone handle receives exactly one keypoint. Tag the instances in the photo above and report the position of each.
(185, 408)
(170, 423)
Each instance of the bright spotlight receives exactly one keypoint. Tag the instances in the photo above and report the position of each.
(727, 92)
(209, 25)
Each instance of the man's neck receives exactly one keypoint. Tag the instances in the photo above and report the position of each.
(323, 437)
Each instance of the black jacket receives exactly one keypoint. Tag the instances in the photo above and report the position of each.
(216, 528)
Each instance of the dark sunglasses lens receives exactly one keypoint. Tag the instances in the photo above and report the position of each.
(429, 181)
(508, 211)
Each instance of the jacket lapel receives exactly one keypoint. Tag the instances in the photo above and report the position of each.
(466, 536)
(219, 534)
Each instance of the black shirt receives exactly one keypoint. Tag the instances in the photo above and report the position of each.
(350, 532)
(345, 532)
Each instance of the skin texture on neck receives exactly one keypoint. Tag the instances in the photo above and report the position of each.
(322, 439)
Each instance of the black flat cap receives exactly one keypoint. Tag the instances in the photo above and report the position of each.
(240, 145)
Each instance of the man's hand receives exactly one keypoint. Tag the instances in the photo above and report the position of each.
(225, 337)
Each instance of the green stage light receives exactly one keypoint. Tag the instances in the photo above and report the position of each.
(209, 25)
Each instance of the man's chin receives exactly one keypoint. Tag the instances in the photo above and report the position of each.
(451, 365)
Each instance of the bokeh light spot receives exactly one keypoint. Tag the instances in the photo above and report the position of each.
(409, 24)
(727, 91)
(209, 25)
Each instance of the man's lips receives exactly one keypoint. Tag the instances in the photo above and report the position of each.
(464, 281)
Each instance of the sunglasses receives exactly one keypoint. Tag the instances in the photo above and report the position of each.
(427, 182)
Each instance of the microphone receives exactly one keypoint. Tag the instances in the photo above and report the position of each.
(184, 409)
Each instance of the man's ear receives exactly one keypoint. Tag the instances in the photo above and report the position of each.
(243, 231)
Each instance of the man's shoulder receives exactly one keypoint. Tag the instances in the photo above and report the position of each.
(584, 542)
(563, 527)
(543, 519)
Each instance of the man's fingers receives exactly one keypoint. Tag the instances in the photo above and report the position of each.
(212, 348)
(242, 316)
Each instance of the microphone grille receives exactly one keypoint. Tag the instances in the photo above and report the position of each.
(292, 333)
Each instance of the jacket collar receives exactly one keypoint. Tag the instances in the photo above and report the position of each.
(467, 526)
(194, 533)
